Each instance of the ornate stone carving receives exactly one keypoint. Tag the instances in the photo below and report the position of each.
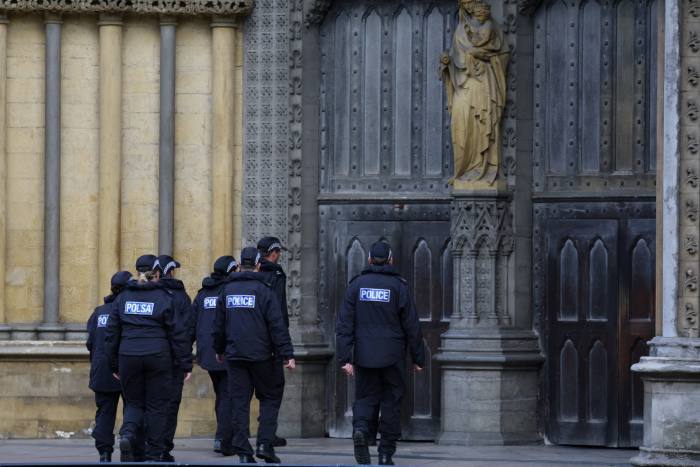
(316, 13)
(156, 7)
(693, 41)
(474, 72)
(692, 110)
(528, 7)
(691, 244)
(691, 280)
(691, 210)
(692, 144)
(691, 178)
(691, 320)
(694, 8)
(693, 76)
(482, 241)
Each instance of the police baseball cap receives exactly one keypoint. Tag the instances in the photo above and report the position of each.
(165, 264)
(225, 264)
(146, 263)
(269, 244)
(120, 279)
(381, 251)
(250, 256)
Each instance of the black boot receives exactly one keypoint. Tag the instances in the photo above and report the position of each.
(362, 456)
(279, 442)
(126, 451)
(217, 446)
(267, 453)
(385, 459)
(105, 457)
(247, 459)
(167, 457)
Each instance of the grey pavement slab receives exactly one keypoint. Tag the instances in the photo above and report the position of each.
(324, 451)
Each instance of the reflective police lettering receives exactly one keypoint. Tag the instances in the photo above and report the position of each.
(375, 295)
(209, 302)
(240, 301)
(102, 321)
(138, 308)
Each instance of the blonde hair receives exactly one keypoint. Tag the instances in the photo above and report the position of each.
(146, 276)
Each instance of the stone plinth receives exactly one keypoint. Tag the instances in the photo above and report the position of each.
(671, 375)
(489, 366)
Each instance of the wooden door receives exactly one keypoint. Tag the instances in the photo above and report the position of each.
(422, 256)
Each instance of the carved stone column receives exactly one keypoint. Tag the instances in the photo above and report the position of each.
(489, 367)
(671, 372)
(4, 329)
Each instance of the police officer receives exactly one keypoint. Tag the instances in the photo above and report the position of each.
(250, 334)
(270, 249)
(204, 308)
(143, 341)
(166, 267)
(105, 386)
(377, 320)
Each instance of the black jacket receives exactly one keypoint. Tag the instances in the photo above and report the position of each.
(277, 280)
(377, 320)
(248, 324)
(204, 308)
(183, 304)
(144, 322)
(101, 379)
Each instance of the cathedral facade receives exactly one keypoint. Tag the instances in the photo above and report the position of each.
(549, 303)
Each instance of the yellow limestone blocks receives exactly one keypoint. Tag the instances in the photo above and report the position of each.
(24, 169)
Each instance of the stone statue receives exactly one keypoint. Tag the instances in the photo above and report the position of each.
(474, 72)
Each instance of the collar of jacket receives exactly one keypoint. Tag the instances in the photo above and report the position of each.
(246, 276)
(172, 283)
(267, 266)
(110, 298)
(214, 280)
(150, 285)
(387, 269)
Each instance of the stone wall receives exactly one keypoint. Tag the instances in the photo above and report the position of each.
(45, 394)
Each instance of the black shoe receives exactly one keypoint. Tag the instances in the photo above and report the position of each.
(217, 446)
(385, 459)
(105, 457)
(279, 442)
(372, 441)
(226, 450)
(247, 459)
(167, 457)
(126, 452)
(361, 449)
(267, 453)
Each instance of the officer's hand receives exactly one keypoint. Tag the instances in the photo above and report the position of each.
(116, 375)
(188, 375)
(219, 358)
(291, 364)
(418, 368)
(349, 369)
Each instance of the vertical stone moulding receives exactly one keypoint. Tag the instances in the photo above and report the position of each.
(4, 329)
(166, 140)
(110, 137)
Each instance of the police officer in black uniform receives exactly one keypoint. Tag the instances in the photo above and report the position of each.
(143, 340)
(378, 319)
(204, 308)
(105, 386)
(250, 335)
(166, 266)
(270, 249)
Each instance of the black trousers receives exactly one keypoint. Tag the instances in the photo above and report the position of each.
(105, 418)
(379, 391)
(146, 384)
(178, 382)
(223, 407)
(244, 378)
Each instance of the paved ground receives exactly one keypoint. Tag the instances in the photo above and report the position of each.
(337, 452)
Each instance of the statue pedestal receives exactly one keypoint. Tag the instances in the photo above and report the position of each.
(489, 367)
(671, 375)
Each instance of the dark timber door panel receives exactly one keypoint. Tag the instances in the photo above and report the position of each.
(582, 308)
(599, 314)
(422, 256)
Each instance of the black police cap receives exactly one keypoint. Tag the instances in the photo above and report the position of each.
(380, 250)
(146, 263)
(120, 278)
(269, 244)
(250, 256)
(165, 264)
(225, 264)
